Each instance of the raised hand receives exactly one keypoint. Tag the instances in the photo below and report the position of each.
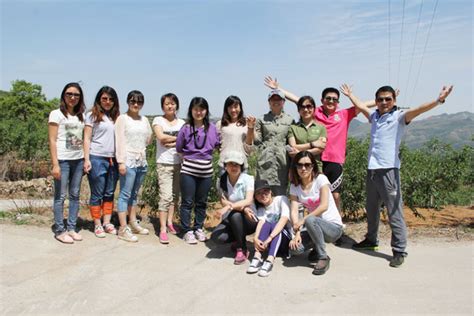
(271, 83)
(445, 92)
(346, 89)
(251, 121)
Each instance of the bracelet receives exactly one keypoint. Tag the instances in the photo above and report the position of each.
(439, 101)
(311, 146)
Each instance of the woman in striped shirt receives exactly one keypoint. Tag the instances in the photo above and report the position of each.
(195, 142)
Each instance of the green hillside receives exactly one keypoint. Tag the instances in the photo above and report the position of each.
(455, 129)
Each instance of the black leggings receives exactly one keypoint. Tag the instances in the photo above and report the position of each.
(235, 227)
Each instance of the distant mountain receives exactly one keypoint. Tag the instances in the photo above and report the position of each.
(455, 129)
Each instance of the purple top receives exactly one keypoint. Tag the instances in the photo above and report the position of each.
(198, 145)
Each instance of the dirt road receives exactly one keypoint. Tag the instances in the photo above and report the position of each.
(107, 276)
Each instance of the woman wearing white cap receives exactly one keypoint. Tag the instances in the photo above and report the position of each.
(271, 138)
(236, 191)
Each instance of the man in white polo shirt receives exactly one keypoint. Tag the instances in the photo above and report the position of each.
(383, 174)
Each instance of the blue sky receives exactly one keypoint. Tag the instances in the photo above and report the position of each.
(217, 48)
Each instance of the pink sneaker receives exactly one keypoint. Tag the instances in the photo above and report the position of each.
(164, 238)
(110, 229)
(171, 229)
(241, 256)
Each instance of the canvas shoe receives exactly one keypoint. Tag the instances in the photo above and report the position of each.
(189, 238)
(127, 235)
(200, 235)
(266, 268)
(99, 231)
(255, 265)
(172, 229)
(137, 229)
(110, 229)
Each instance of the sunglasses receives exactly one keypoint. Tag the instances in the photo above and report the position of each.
(106, 99)
(332, 99)
(132, 102)
(306, 107)
(71, 94)
(384, 99)
(307, 165)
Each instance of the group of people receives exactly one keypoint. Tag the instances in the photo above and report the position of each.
(293, 203)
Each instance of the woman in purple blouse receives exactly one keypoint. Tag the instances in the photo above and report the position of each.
(196, 141)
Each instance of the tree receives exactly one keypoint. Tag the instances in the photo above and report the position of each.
(23, 125)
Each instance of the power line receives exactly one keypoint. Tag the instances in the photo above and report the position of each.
(424, 50)
(401, 41)
(389, 45)
(413, 52)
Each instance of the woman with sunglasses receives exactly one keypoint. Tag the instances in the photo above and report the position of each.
(196, 141)
(273, 214)
(322, 221)
(132, 133)
(235, 130)
(65, 130)
(99, 158)
(307, 134)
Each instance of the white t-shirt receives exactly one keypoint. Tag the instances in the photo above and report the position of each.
(311, 199)
(70, 135)
(103, 136)
(164, 154)
(244, 184)
(280, 207)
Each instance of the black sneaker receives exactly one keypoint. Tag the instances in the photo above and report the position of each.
(312, 257)
(397, 259)
(365, 245)
(321, 266)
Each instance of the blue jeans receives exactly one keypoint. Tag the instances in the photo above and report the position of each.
(194, 192)
(103, 178)
(71, 177)
(129, 186)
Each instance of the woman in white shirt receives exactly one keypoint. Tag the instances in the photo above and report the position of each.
(236, 191)
(235, 130)
(65, 130)
(322, 221)
(132, 135)
(168, 162)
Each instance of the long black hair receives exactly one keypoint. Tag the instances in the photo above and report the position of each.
(79, 108)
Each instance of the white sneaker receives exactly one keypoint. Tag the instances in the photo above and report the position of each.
(200, 235)
(189, 238)
(137, 229)
(254, 266)
(265, 269)
(126, 234)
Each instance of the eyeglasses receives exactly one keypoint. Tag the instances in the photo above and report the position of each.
(384, 99)
(106, 99)
(306, 107)
(332, 99)
(132, 102)
(71, 95)
(307, 165)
